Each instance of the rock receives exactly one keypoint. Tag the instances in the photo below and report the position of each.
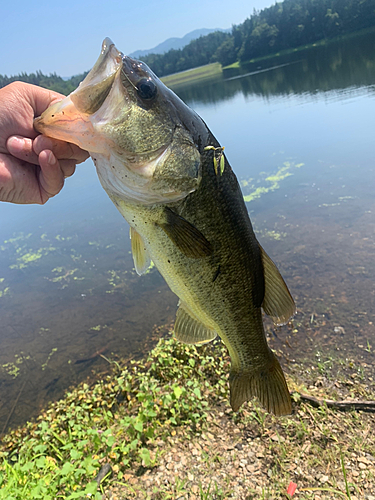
(339, 329)
(277, 438)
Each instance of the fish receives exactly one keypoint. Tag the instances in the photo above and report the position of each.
(170, 179)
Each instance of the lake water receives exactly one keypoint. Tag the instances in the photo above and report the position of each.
(299, 132)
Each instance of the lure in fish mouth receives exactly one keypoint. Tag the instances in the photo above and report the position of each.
(168, 176)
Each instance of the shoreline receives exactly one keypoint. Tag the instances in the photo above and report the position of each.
(213, 70)
(163, 428)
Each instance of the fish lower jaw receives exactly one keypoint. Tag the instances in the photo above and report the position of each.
(124, 183)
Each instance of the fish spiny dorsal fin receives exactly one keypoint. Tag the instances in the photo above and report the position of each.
(277, 302)
(189, 329)
(141, 257)
(268, 384)
(185, 236)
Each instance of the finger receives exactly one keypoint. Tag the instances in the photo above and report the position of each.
(41, 98)
(51, 177)
(22, 148)
(67, 167)
(61, 149)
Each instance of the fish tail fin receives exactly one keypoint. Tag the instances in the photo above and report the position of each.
(268, 384)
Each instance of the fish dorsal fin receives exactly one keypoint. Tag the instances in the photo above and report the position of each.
(277, 302)
(189, 329)
(141, 257)
(185, 236)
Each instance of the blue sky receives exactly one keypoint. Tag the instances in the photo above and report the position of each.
(65, 37)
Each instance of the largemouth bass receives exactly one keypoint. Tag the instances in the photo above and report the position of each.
(168, 176)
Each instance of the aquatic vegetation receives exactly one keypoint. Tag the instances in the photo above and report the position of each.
(63, 238)
(21, 250)
(43, 330)
(272, 234)
(271, 182)
(113, 281)
(98, 328)
(64, 274)
(15, 241)
(150, 268)
(11, 369)
(336, 204)
(45, 364)
(4, 290)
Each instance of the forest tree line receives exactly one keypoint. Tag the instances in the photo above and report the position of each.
(285, 25)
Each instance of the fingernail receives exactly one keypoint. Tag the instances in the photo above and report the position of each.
(52, 159)
(16, 141)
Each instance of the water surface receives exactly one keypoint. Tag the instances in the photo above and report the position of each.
(299, 132)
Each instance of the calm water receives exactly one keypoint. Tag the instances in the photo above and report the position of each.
(299, 133)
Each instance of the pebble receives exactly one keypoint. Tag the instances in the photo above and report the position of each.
(339, 329)
(277, 438)
(247, 467)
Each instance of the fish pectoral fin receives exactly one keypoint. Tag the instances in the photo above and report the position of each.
(185, 236)
(278, 302)
(141, 257)
(268, 384)
(189, 329)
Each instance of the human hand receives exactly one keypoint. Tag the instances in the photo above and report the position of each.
(32, 167)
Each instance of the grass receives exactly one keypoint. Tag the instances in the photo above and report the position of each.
(172, 400)
(60, 455)
(193, 75)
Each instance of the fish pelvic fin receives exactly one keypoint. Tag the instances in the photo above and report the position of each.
(141, 257)
(189, 329)
(268, 384)
(278, 302)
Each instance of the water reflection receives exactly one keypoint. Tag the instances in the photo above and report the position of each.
(301, 136)
(340, 65)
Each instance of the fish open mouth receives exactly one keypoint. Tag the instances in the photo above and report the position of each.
(125, 117)
(70, 119)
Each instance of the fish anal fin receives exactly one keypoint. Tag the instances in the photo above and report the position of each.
(187, 238)
(278, 302)
(267, 384)
(141, 257)
(189, 329)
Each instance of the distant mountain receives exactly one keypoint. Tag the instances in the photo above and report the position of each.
(175, 43)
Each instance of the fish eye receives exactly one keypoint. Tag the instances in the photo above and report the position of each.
(146, 89)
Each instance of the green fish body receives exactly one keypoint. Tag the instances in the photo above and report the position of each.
(158, 162)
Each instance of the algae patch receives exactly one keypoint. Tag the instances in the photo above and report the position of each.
(23, 252)
(44, 365)
(269, 183)
(4, 290)
(63, 276)
(98, 328)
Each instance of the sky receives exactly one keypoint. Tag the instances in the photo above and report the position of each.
(65, 37)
